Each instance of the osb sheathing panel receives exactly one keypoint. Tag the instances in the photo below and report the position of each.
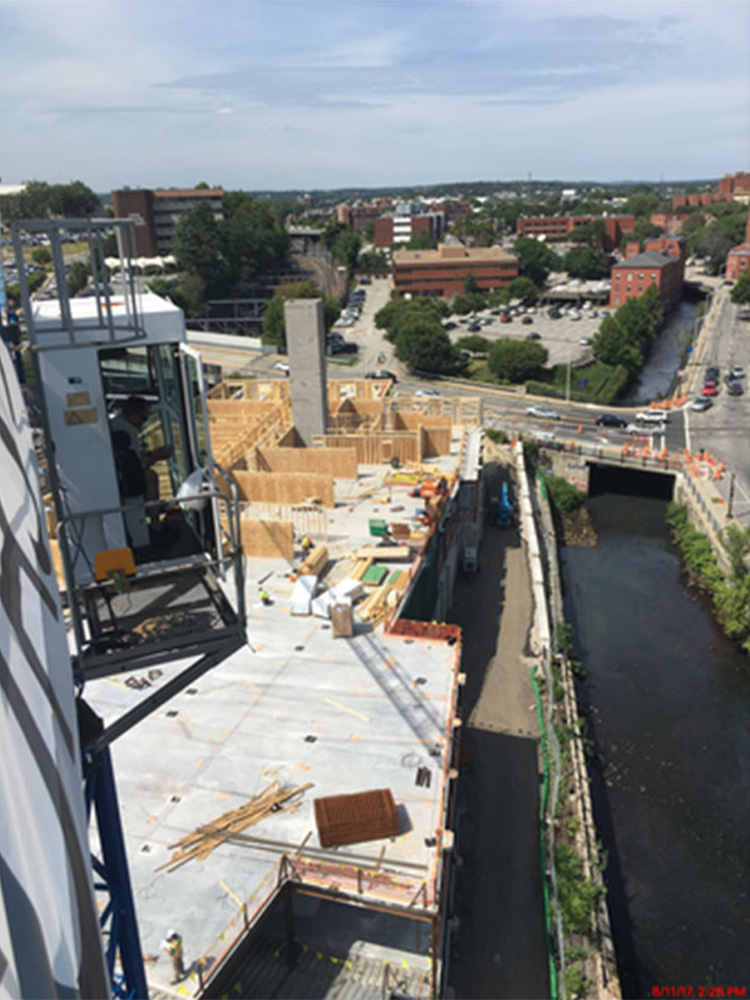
(284, 487)
(375, 448)
(338, 462)
(435, 441)
(409, 421)
(244, 389)
(267, 539)
(239, 409)
(339, 389)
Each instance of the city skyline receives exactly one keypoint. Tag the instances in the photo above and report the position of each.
(278, 96)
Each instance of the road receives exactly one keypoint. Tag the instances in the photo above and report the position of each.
(724, 430)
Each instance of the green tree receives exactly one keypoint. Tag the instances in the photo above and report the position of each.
(373, 262)
(516, 360)
(369, 232)
(342, 242)
(197, 247)
(41, 255)
(422, 241)
(475, 343)
(644, 229)
(253, 239)
(274, 328)
(588, 263)
(461, 305)
(202, 186)
(470, 284)
(523, 289)
(422, 346)
(78, 276)
(536, 260)
(627, 337)
(741, 291)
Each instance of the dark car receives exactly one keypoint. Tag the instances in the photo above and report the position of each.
(610, 420)
(527, 320)
(382, 374)
(474, 327)
(734, 388)
(533, 335)
(343, 347)
(712, 373)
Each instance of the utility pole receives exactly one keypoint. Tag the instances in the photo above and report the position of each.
(731, 495)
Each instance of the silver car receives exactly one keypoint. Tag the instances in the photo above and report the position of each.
(542, 412)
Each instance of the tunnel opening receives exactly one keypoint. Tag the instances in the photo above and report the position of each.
(630, 482)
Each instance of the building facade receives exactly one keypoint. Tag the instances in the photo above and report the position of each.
(662, 263)
(738, 258)
(390, 229)
(159, 212)
(558, 227)
(441, 273)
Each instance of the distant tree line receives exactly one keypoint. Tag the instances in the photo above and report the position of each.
(40, 200)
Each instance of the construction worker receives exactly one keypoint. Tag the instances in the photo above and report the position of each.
(264, 595)
(307, 543)
(173, 947)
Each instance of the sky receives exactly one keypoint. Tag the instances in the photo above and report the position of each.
(347, 93)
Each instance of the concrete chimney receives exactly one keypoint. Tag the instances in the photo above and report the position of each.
(305, 344)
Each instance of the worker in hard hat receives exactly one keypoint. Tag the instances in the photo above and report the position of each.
(307, 543)
(264, 595)
(172, 944)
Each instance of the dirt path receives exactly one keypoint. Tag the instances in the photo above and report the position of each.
(500, 946)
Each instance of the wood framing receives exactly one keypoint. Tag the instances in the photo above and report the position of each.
(285, 487)
(267, 539)
(341, 463)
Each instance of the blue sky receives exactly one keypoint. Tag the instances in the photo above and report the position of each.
(283, 94)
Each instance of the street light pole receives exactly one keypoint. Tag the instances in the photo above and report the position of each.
(731, 495)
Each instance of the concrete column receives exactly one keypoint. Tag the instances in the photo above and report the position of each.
(305, 344)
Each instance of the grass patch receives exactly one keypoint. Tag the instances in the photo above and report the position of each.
(347, 360)
(578, 895)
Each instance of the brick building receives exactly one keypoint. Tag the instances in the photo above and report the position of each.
(662, 263)
(390, 229)
(160, 211)
(357, 216)
(738, 258)
(558, 227)
(737, 186)
(441, 273)
(701, 200)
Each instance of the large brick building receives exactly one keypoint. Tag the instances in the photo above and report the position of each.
(738, 258)
(737, 186)
(441, 273)
(159, 211)
(390, 229)
(662, 263)
(558, 227)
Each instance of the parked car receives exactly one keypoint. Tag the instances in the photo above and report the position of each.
(527, 320)
(610, 420)
(712, 372)
(734, 388)
(574, 315)
(474, 327)
(710, 389)
(605, 313)
(343, 347)
(737, 371)
(382, 374)
(585, 341)
(533, 335)
(542, 412)
(282, 366)
(701, 403)
(506, 318)
(427, 392)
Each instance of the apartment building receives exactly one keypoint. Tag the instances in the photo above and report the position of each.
(400, 228)
(159, 212)
(441, 273)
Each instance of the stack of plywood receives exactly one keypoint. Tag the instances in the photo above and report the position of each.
(315, 562)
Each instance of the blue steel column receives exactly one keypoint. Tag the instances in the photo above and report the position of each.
(111, 875)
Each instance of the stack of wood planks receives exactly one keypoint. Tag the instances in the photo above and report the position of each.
(315, 562)
(197, 846)
(384, 599)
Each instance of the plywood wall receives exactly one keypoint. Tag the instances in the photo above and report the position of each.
(435, 441)
(284, 487)
(409, 420)
(338, 462)
(372, 449)
(267, 539)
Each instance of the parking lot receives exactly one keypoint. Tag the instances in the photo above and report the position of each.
(562, 337)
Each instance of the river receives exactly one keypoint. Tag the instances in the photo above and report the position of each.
(663, 362)
(668, 698)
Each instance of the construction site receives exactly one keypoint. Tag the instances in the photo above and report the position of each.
(313, 770)
(267, 695)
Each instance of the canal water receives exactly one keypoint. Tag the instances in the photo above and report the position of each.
(668, 698)
(659, 371)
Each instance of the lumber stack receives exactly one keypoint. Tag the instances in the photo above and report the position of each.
(197, 846)
(315, 562)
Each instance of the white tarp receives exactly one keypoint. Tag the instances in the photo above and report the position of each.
(50, 945)
(302, 595)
